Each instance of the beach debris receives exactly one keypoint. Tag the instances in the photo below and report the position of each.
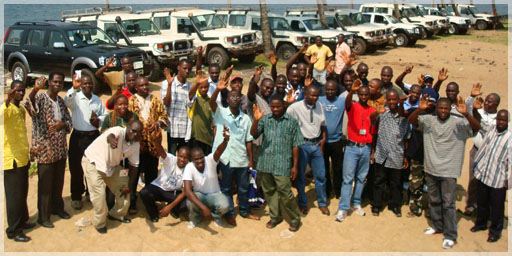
(287, 234)
(83, 222)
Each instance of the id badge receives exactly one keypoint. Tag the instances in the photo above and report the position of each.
(362, 131)
(123, 172)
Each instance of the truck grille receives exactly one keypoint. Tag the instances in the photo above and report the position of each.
(441, 21)
(247, 39)
(468, 22)
(182, 47)
(380, 32)
(137, 58)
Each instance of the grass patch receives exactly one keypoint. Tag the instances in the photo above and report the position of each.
(498, 36)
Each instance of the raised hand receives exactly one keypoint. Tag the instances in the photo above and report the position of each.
(10, 94)
(110, 62)
(476, 90)
(304, 47)
(199, 50)
(257, 113)
(349, 60)
(313, 59)
(421, 79)
(461, 106)
(479, 103)
(330, 68)
(408, 69)
(273, 59)
(225, 133)
(380, 109)
(168, 76)
(156, 136)
(424, 102)
(289, 96)
(229, 71)
(403, 98)
(200, 79)
(77, 82)
(356, 85)
(40, 83)
(308, 80)
(259, 70)
(443, 74)
(223, 83)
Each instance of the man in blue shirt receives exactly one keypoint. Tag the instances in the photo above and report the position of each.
(334, 107)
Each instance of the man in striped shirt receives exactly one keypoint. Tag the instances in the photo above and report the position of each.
(492, 171)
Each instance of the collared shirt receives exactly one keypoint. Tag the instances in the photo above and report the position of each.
(444, 144)
(15, 136)
(125, 92)
(202, 120)
(106, 158)
(311, 118)
(392, 134)
(492, 160)
(235, 153)
(341, 48)
(81, 109)
(487, 119)
(359, 123)
(264, 106)
(177, 110)
(280, 136)
(408, 105)
(385, 90)
(212, 86)
(144, 106)
(156, 114)
(298, 94)
(170, 177)
(381, 101)
(323, 53)
(48, 147)
(114, 79)
(333, 111)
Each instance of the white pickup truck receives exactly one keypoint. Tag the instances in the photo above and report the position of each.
(285, 40)
(220, 43)
(480, 20)
(444, 22)
(131, 29)
(407, 34)
(458, 25)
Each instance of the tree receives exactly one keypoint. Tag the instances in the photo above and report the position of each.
(457, 13)
(497, 23)
(321, 12)
(265, 29)
(397, 11)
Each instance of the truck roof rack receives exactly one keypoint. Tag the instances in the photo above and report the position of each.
(169, 9)
(39, 23)
(95, 11)
(240, 9)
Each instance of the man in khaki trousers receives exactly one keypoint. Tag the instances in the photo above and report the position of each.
(112, 160)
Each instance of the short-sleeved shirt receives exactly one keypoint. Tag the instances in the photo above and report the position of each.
(202, 120)
(311, 118)
(444, 144)
(170, 177)
(15, 136)
(381, 101)
(333, 111)
(280, 136)
(114, 79)
(106, 158)
(359, 123)
(323, 52)
(81, 109)
(415, 144)
(340, 64)
(177, 110)
(392, 134)
(206, 182)
(264, 106)
(235, 153)
(385, 90)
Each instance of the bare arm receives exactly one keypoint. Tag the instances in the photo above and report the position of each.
(273, 61)
(222, 146)
(199, 59)
(294, 58)
(251, 92)
(99, 73)
(248, 145)
(295, 157)
(169, 78)
(400, 79)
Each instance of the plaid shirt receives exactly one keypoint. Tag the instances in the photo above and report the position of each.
(393, 131)
(492, 160)
(177, 112)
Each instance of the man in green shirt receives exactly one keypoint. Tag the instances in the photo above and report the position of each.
(278, 160)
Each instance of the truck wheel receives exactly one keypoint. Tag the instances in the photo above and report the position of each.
(155, 72)
(220, 56)
(286, 51)
(453, 29)
(359, 46)
(19, 72)
(248, 59)
(96, 84)
(412, 42)
(481, 25)
(401, 40)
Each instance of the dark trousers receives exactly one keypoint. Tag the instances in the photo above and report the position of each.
(49, 188)
(78, 143)
(174, 143)
(207, 149)
(490, 205)
(241, 177)
(16, 190)
(151, 193)
(441, 192)
(148, 164)
(333, 152)
(393, 179)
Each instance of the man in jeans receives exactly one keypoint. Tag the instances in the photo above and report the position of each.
(324, 56)
(444, 139)
(357, 152)
(310, 115)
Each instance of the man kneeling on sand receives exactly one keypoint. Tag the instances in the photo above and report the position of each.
(205, 200)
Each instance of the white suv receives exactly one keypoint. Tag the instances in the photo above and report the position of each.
(131, 29)
(407, 34)
(444, 23)
(408, 15)
(480, 20)
(458, 25)
(285, 40)
(220, 43)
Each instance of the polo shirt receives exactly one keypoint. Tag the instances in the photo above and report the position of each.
(310, 118)
(206, 182)
(81, 109)
(359, 123)
(323, 52)
(15, 136)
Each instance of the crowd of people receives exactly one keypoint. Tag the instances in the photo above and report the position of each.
(360, 137)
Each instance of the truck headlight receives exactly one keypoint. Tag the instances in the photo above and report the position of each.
(429, 23)
(371, 34)
(166, 47)
(411, 31)
(302, 39)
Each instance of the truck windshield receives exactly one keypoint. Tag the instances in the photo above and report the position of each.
(346, 20)
(358, 18)
(409, 13)
(141, 27)
(208, 21)
(392, 19)
(278, 23)
(421, 11)
(314, 25)
(88, 36)
(473, 10)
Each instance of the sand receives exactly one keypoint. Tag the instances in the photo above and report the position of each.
(468, 62)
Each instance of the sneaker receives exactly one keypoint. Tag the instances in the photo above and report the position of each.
(359, 210)
(448, 244)
(76, 204)
(217, 222)
(191, 225)
(430, 231)
(341, 215)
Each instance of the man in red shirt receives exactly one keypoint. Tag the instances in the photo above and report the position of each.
(128, 91)
(357, 151)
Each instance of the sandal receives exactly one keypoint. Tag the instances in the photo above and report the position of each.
(273, 223)
(294, 226)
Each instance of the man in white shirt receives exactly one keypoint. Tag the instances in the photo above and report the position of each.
(87, 113)
(104, 165)
(201, 183)
(169, 183)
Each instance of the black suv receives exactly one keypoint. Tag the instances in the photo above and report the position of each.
(32, 49)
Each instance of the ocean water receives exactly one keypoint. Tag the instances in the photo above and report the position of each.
(40, 12)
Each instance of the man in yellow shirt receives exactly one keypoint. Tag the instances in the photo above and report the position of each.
(115, 78)
(323, 56)
(16, 163)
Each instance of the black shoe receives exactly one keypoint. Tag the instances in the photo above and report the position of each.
(63, 215)
(28, 225)
(397, 212)
(304, 210)
(46, 224)
(154, 219)
(493, 239)
(20, 238)
(120, 220)
(175, 215)
(375, 211)
(477, 228)
(102, 230)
